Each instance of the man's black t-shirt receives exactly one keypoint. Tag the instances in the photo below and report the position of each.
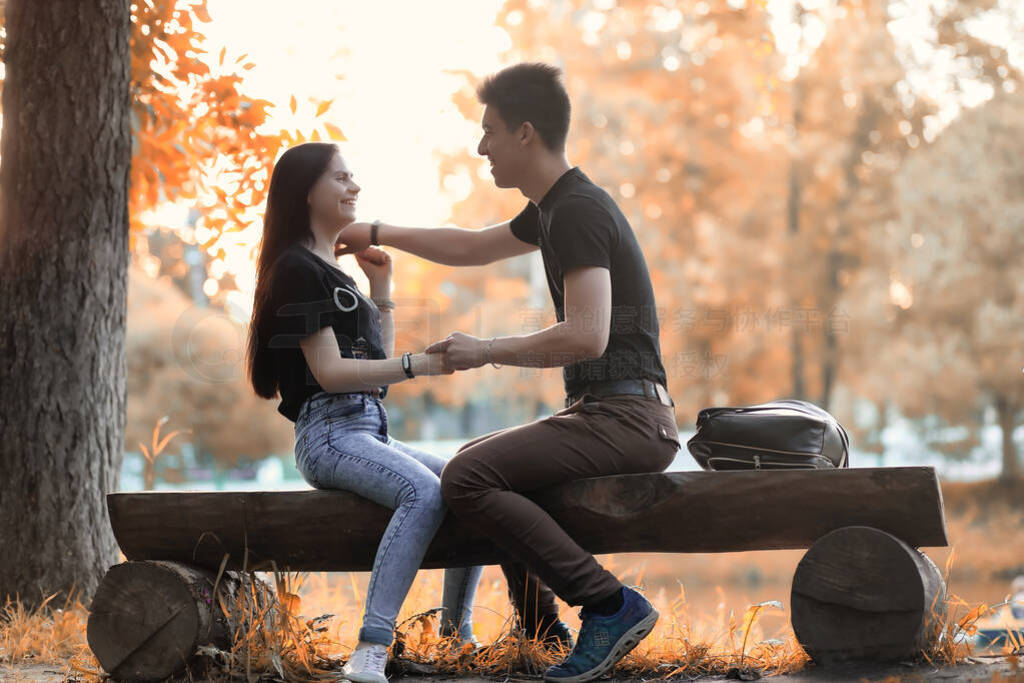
(307, 294)
(577, 223)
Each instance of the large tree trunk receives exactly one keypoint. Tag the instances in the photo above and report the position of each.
(66, 150)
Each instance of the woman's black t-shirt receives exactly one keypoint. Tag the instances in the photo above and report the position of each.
(306, 295)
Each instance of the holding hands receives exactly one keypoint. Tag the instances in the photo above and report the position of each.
(430, 364)
(461, 351)
(457, 351)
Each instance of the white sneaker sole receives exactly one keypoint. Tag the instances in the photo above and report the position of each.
(362, 677)
(359, 677)
(623, 646)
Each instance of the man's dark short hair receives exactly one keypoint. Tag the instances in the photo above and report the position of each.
(530, 92)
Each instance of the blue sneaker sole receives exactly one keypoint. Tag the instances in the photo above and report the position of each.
(623, 646)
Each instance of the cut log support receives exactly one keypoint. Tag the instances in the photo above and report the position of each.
(147, 619)
(682, 512)
(862, 594)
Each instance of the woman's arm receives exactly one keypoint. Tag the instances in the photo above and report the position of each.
(380, 288)
(387, 319)
(387, 331)
(376, 265)
(342, 375)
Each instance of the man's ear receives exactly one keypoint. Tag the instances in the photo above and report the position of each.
(526, 133)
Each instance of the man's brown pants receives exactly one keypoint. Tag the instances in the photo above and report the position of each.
(595, 436)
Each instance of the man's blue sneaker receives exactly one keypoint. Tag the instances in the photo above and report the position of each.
(604, 640)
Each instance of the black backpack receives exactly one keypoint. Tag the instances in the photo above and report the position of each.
(783, 434)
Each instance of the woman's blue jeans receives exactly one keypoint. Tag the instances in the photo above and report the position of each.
(342, 442)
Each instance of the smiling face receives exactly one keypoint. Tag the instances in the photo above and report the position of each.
(332, 198)
(505, 149)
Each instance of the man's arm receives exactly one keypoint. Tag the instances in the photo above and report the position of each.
(448, 246)
(582, 335)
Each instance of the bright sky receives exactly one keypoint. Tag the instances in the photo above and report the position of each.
(384, 65)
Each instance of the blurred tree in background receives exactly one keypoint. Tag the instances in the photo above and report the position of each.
(958, 343)
(765, 187)
(183, 361)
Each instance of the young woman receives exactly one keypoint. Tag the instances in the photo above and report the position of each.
(327, 349)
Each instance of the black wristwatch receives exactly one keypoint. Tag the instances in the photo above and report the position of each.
(374, 226)
(407, 364)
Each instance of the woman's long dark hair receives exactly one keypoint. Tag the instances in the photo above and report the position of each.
(285, 222)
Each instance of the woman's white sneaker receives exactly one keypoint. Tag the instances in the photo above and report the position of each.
(366, 665)
(472, 642)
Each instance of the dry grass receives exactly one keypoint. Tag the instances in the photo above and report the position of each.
(300, 649)
(296, 648)
(951, 637)
(47, 635)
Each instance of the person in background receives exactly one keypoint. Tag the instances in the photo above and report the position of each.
(327, 349)
(1017, 599)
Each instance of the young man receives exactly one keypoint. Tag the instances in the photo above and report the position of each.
(618, 417)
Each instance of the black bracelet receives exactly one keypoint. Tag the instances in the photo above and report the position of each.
(373, 232)
(407, 364)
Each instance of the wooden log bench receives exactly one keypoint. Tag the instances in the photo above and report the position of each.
(862, 591)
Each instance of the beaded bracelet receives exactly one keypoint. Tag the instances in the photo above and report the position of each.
(384, 304)
(489, 358)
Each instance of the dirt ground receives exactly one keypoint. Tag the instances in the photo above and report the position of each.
(980, 668)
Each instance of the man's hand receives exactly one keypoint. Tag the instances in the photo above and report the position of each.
(353, 237)
(438, 346)
(462, 351)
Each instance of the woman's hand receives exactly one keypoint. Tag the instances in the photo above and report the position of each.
(376, 264)
(430, 364)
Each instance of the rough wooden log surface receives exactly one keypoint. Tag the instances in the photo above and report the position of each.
(688, 512)
(863, 594)
(147, 618)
